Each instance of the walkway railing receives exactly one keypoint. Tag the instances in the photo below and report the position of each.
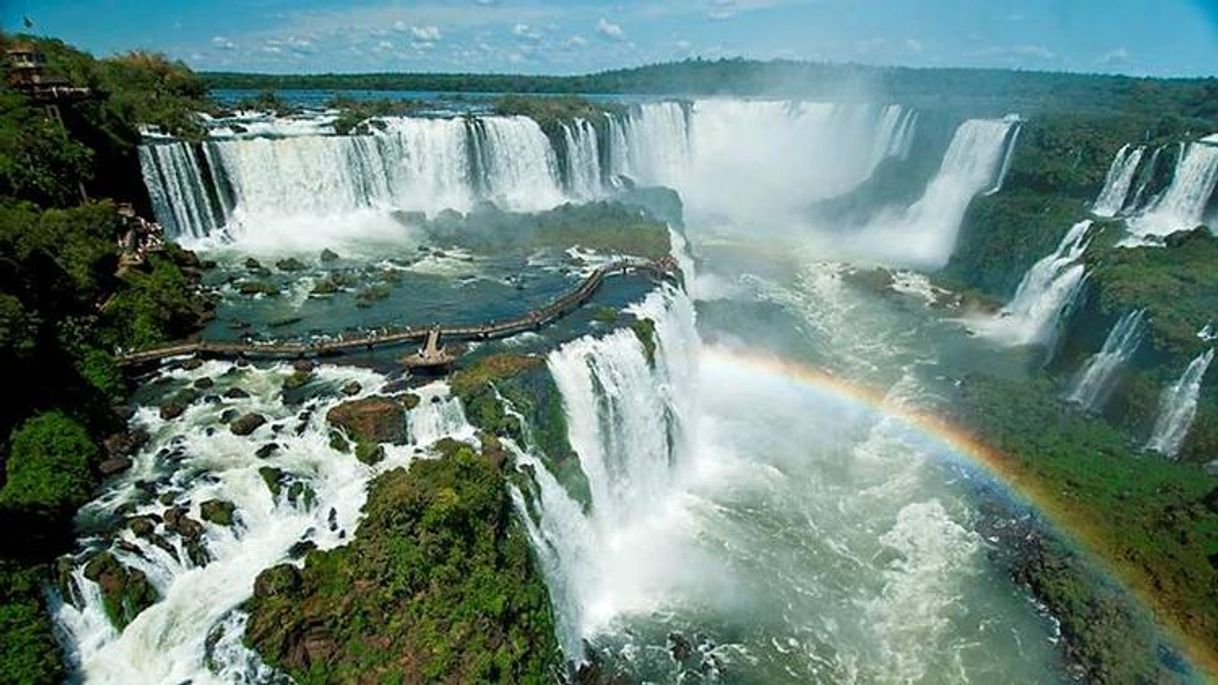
(322, 348)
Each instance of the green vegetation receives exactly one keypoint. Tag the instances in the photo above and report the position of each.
(354, 115)
(65, 307)
(607, 227)
(437, 586)
(645, 331)
(1155, 520)
(1177, 285)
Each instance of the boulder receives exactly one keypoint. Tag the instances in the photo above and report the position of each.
(176, 405)
(328, 255)
(204, 383)
(125, 591)
(247, 423)
(303, 366)
(352, 388)
(191, 364)
(252, 264)
(267, 450)
(277, 580)
(217, 511)
(290, 264)
(112, 466)
(125, 444)
(371, 419)
(235, 393)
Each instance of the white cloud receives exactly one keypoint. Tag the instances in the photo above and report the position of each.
(1117, 57)
(609, 29)
(427, 33)
(576, 41)
(526, 32)
(1038, 51)
(223, 43)
(683, 45)
(913, 45)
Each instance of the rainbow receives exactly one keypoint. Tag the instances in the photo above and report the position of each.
(1001, 467)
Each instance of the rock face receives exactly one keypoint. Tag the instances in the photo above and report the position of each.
(371, 419)
(110, 467)
(125, 591)
(440, 574)
(247, 423)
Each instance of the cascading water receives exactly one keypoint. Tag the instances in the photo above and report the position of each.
(1045, 294)
(203, 571)
(924, 234)
(1179, 407)
(1182, 206)
(583, 159)
(1094, 383)
(521, 169)
(1006, 161)
(1118, 181)
(182, 200)
(627, 421)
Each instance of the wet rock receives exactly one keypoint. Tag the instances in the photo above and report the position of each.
(257, 288)
(273, 478)
(125, 444)
(301, 548)
(175, 406)
(197, 552)
(204, 383)
(301, 495)
(297, 380)
(328, 255)
(110, 467)
(679, 647)
(191, 364)
(371, 419)
(235, 393)
(211, 399)
(253, 264)
(143, 526)
(125, 591)
(277, 580)
(303, 365)
(332, 519)
(247, 423)
(217, 511)
(290, 264)
(176, 521)
(267, 450)
(369, 453)
(228, 415)
(352, 388)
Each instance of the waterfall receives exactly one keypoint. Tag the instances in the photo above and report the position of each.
(627, 421)
(204, 571)
(1178, 407)
(1006, 161)
(583, 159)
(1117, 182)
(1182, 206)
(1045, 294)
(1093, 384)
(925, 233)
(180, 196)
(521, 166)
(1144, 180)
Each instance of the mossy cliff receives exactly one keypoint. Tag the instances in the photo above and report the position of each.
(437, 586)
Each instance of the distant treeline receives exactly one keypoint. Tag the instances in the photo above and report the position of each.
(1195, 98)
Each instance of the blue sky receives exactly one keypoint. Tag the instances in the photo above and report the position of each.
(1143, 37)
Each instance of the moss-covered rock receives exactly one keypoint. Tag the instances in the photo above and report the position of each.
(371, 419)
(217, 511)
(437, 586)
(246, 423)
(125, 591)
(645, 330)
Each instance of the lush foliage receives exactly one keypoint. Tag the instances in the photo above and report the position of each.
(437, 586)
(1156, 520)
(354, 114)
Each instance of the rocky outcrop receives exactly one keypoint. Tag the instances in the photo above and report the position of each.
(371, 420)
(125, 591)
(440, 574)
(217, 511)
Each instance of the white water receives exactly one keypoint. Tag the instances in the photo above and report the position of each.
(1183, 205)
(178, 193)
(1178, 408)
(1006, 161)
(583, 159)
(1045, 294)
(924, 234)
(1095, 382)
(1116, 184)
(168, 642)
